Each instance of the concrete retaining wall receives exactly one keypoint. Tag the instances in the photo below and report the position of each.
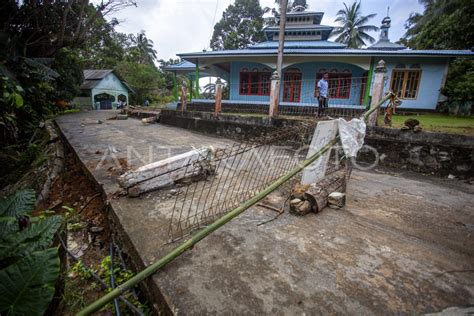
(436, 153)
(230, 126)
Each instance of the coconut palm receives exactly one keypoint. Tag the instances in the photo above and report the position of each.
(144, 46)
(354, 28)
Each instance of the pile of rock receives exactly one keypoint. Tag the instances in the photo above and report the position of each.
(411, 124)
(314, 197)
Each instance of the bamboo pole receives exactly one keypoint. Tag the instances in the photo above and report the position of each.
(98, 304)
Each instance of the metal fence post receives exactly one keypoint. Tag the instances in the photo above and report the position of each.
(184, 94)
(274, 95)
(377, 91)
(218, 97)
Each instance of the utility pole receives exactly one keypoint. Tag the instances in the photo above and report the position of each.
(377, 91)
(281, 35)
(276, 77)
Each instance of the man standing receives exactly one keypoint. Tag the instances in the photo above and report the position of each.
(322, 93)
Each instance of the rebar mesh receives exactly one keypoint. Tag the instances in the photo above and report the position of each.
(237, 173)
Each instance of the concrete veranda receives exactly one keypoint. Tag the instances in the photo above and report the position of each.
(404, 243)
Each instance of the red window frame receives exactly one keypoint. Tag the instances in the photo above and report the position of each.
(340, 83)
(292, 85)
(255, 82)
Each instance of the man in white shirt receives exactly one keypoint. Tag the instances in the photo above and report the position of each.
(322, 93)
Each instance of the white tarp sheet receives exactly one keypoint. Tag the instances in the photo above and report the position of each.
(352, 135)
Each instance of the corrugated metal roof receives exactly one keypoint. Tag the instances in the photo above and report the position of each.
(298, 44)
(96, 74)
(386, 45)
(183, 65)
(89, 84)
(92, 77)
(326, 52)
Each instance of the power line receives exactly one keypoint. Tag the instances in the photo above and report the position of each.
(213, 22)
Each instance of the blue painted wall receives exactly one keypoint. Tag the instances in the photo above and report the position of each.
(235, 69)
(432, 73)
(309, 71)
(433, 70)
(110, 85)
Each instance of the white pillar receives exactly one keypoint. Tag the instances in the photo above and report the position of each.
(274, 95)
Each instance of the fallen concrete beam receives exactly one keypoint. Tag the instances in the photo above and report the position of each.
(166, 172)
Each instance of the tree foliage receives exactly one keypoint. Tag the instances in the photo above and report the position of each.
(459, 87)
(145, 80)
(240, 26)
(353, 26)
(447, 24)
(45, 46)
(169, 77)
(143, 48)
(444, 24)
(41, 28)
(69, 67)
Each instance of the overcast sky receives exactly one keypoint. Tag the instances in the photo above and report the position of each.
(180, 26)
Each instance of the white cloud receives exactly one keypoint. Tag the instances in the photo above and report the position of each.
(178, 26)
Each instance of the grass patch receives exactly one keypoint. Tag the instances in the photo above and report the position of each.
(437, 123)
(71, 111)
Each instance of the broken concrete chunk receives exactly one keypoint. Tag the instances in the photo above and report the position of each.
(295, 201)
(122, 116)
(336, 200)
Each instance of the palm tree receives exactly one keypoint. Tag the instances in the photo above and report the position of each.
(353, 29)
(145, 47)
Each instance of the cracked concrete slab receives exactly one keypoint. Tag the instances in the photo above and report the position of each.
(404, 243)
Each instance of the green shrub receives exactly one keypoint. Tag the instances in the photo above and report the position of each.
(29, 266)
(459, 87)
